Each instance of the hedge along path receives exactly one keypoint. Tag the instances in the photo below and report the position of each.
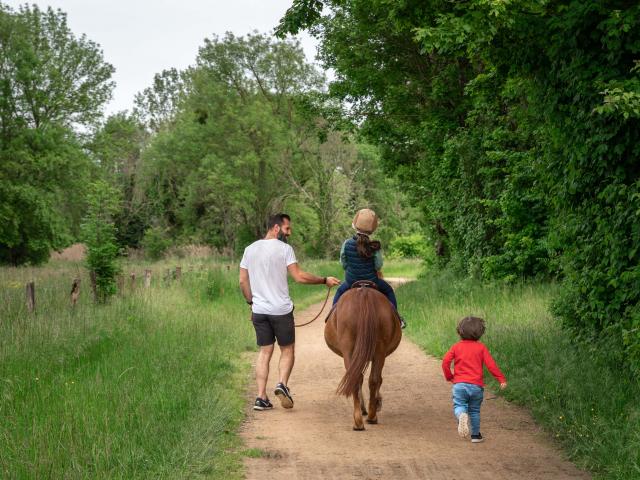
(416, 436)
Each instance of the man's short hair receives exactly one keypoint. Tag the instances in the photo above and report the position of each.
(277, 219)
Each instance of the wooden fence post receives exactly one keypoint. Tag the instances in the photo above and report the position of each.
(147, 278)
(120, 285)
(133, 281)
(31, 296)
(75, 291)
(178, 273)
(94, 286)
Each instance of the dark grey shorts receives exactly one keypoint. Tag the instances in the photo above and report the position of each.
(271, 327)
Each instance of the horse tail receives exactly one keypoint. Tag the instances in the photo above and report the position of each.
(366, 328)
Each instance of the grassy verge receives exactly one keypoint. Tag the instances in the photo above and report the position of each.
(149, 386)
(589, 408)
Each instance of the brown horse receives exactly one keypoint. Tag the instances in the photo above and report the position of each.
(363, 328)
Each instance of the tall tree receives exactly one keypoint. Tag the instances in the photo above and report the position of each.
(157, 105)
(231, 128)
(50, 82)
(116, 148)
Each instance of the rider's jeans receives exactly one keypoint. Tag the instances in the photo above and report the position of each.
(467, 398)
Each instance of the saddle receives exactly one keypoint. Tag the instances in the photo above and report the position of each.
(364, 284)
(356, 284)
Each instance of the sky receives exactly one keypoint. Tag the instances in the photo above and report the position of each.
(143, 37)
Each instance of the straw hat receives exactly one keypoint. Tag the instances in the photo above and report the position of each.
(365, 221)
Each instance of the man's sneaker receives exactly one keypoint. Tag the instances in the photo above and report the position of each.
(262, 404)
(463, 425)
(282, 392)
(477, 438)
(403, 324)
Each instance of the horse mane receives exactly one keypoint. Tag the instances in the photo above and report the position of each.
(366, 325)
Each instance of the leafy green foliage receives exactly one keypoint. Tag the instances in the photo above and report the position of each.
(408, 246)
(155, 243)
(244, 139)
(116, 147)
(43, 95)
(99, 236)
(514, 125)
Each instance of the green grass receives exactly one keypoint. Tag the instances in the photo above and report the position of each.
(151, 385)
(588, 405)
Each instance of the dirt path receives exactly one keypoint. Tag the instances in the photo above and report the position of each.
(416, 436)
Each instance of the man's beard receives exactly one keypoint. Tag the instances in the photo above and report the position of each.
(282, 236)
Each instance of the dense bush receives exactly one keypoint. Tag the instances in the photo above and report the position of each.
(155, 243)
(408, 246)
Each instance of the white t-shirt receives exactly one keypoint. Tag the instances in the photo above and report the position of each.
(267, 262)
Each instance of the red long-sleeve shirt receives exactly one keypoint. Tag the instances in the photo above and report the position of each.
(468, 356)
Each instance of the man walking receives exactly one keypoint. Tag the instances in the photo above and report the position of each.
(263, 281)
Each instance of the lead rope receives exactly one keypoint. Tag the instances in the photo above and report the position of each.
(316, 317)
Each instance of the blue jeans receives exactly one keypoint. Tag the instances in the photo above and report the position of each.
(467, 398)
(383, 286)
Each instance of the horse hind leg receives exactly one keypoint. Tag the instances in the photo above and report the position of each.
(363, 408)
(358, 421)
(375, 381)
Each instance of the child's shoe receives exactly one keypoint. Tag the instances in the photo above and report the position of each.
(403, 324)
(463, 425)
(477, 438)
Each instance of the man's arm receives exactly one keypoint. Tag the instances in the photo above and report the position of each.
(300, 276)
(245, 285)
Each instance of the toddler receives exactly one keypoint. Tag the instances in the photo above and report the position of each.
(468, 356)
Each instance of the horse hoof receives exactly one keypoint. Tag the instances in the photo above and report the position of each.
(358, 429)
(372, 422)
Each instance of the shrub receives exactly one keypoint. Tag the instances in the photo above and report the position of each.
(155, 243)
(408, 246)
(99, 235)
